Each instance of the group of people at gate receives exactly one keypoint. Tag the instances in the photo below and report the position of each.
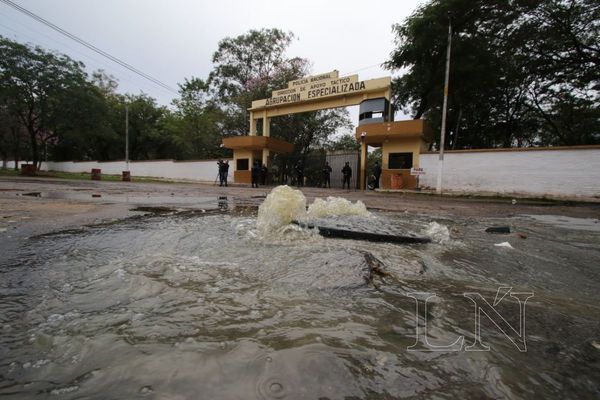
(346, 175)
(259, 174)
(325, 175)
(373, 182)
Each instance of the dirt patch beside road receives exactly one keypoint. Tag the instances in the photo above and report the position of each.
(24, 217)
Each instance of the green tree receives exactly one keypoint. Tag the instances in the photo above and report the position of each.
(344, 142)
(12, 136)
(82, 129)
(513, 64)
(149, 136)
(248, 67)
(67, 115)
(197, 122)
(562, 39)
(34, 81)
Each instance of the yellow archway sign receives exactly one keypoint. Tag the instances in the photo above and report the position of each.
(320, 92)
(311, 93)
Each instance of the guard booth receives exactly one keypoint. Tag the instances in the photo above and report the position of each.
(247, 149)
(401, 144)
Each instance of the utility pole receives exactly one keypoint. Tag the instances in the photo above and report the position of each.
(444, 111)
(127, 138)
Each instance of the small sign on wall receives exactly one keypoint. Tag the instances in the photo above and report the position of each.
(417, 171)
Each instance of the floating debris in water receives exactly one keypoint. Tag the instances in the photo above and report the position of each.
(504, 244)
(498, 229)
(32, 194)
(367, 236)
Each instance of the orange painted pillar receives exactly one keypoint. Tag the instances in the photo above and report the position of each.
(363, 165)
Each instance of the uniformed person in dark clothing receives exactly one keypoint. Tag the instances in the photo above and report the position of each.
(220, 166)
(327, 175)
(255, 173)
(263, 174)
(299, 174)
(347, 173)
(223, 171)
(377, 174)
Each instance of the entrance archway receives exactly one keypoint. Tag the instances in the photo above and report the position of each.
(321, 92)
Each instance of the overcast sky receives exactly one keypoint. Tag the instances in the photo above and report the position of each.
(174, 39)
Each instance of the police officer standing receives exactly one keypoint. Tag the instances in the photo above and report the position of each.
(347, 173)
(299, 174)
(264, 172)
(225, 171)
(255, 173)
(377, 174)
(327, 175)
(220, 164)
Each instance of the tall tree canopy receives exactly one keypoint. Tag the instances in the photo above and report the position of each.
(36, 87)
(48, 102)
(523, 72)
(198, 122)
(249, 67)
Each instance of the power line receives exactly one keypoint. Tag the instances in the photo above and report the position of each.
(122, 76)
(89, 46)
(356, 70)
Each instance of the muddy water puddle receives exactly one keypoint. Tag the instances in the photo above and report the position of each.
(110, 197)
(209, 306)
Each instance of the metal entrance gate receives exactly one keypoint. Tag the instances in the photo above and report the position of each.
(337, 160)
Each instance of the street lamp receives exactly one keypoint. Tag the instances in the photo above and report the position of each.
(127, 137)
(444, 111)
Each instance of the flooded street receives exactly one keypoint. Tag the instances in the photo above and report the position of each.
(208, 305)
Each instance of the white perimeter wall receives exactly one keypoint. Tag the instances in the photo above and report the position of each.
(565, 173)
(205, 170)
(569, 173)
